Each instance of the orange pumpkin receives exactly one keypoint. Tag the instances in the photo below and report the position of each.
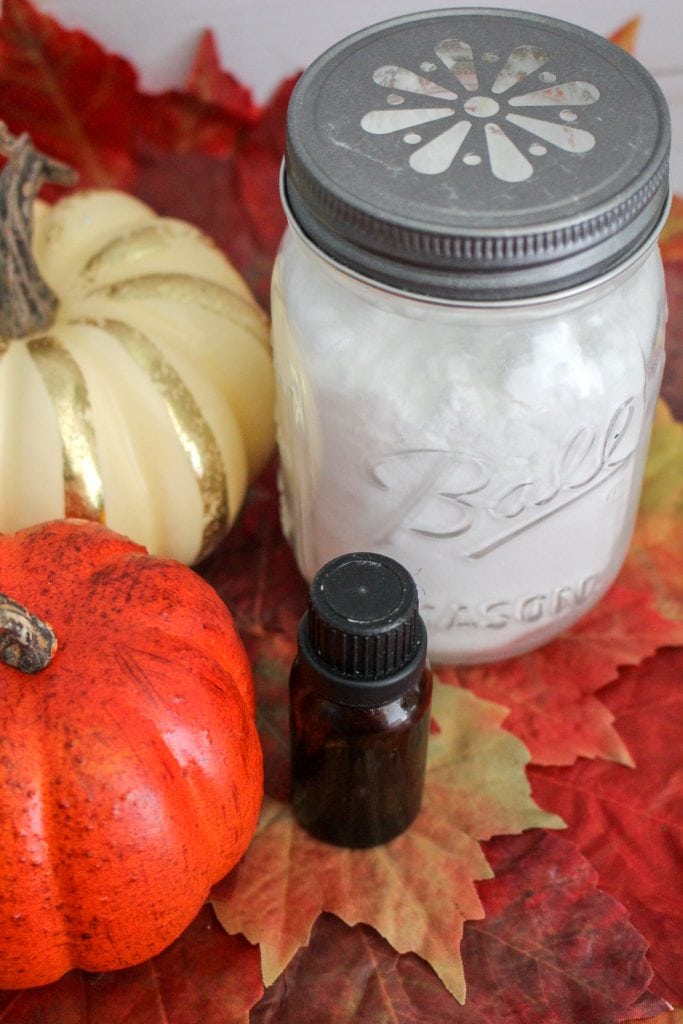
(130, 768)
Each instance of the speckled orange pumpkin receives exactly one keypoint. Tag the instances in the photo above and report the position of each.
(130, 768)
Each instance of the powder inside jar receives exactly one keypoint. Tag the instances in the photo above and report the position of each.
(498, 455)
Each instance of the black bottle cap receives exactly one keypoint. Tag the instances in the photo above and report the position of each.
(362, 634)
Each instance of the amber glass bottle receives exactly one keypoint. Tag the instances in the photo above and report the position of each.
(360, 694)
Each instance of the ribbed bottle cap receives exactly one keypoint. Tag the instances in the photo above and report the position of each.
(362, 633)
(477, 154)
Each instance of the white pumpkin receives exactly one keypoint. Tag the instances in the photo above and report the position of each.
(148, 401)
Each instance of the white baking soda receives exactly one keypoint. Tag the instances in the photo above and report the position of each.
(496, 451)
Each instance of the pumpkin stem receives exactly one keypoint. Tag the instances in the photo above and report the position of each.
(27, 304)
(26, 642)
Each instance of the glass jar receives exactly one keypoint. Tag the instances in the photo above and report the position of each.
(469, 342)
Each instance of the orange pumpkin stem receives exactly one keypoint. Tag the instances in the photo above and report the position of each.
(26, 642)
(27, 303)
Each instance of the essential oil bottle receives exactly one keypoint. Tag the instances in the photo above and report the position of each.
(360, 695)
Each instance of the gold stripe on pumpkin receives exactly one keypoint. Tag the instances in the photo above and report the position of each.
(193, 432)
(135, 244)
(197, 291)
(65, 383)
(147, 240)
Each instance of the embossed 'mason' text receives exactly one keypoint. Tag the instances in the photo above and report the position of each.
(499, 614)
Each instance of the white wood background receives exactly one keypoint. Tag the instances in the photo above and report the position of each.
(261, 41)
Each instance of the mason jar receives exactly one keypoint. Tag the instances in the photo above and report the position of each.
(468, 315)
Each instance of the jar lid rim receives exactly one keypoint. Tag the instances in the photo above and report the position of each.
(455, 296)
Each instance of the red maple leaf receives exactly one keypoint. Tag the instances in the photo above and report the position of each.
(209, 82)
(206, 976)
(184, 141)
(551, 691)
(75, 100)
(523, 965)
(630, 823)
(552, 949)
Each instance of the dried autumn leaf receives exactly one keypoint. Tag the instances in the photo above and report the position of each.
(353, 976)
(288, 879)
(630, 823)
(208, 82)
(417, 890)
(206, 975)
(238, 165)
(589, 960)
(655, 559)
(626, 35)
(552, 949)
(671, 244)
(671, 238)
(670, 1017)
(643, 1010)
(672, 383)
(238, 204)
(550, 691)
(77, 101)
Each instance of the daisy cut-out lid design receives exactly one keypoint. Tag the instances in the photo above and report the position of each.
(477, 154)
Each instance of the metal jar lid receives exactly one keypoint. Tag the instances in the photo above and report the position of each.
(477, 154)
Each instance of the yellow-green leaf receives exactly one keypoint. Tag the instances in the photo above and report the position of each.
(655, 560)
(418, 890)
